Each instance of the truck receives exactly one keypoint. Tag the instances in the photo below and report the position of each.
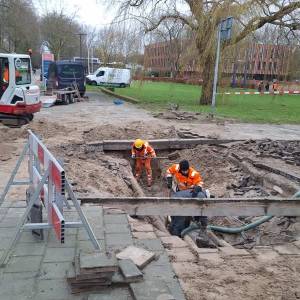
(110, 77)
(19, 95)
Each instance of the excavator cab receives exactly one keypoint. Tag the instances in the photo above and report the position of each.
(19, 96)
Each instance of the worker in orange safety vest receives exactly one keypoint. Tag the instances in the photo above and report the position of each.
(142, 152)
(185, 179)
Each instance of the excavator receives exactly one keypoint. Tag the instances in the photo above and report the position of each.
(19, 96)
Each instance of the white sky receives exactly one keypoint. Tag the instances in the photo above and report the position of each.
(89, 12)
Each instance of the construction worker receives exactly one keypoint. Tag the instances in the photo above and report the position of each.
(184, 181)
(6, 73)
(142, 152)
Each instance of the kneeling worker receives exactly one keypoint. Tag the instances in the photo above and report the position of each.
(143, 153)
(184, 181)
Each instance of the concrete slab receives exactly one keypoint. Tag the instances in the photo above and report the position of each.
(121, 293)
(55, 270)
(130, 271)
(59, 255)
(181, 255)
(115, 219)
(144, 235)
(114, 240)
(29, 249)
(16, 289)
(154, 245)
(98, 232)
(23, 264)
(175, 289)
(53, 289)
(231, 252)
(139, 256)
(149, 290)
(287, 249)
(70, 241)
(173, 242)
(117, 228)
(87, 246)
(97, 260)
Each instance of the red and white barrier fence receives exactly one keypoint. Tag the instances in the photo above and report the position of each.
(262, 93)
(47, 185)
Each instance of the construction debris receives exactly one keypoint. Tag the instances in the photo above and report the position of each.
(139, 256)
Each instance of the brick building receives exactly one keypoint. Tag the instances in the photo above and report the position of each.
(257, 61)
(247, 61)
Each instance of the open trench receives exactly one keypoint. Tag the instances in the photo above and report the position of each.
(225, 174)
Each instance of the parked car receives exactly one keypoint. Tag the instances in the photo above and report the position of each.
(63, 74)
(110, 77)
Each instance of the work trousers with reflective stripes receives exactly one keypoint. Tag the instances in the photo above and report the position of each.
(140, 163)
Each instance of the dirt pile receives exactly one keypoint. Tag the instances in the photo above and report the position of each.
(95, 172)
(131, 131)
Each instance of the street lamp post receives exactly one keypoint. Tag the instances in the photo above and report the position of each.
(224, 33)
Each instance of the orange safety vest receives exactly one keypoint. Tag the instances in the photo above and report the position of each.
(146, 151)
(6, 75)
(182, 182)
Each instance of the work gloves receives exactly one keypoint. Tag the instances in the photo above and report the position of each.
(133, 156)
(197, 189)
(169, 182)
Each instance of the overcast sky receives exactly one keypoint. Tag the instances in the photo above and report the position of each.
(88, 12)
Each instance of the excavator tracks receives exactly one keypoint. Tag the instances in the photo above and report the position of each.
(14, 121)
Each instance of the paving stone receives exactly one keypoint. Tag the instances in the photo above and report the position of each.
(7, 232)
(161, 233)
(28, 237)
(97, 260)
(117, 228)
(155, 271)
(181, 254)
(87, 246)
(70, 241)
(213, 258)
(149, 289)
(16, 289)
(129, 270)
(141, 227)
(231, 251)
(175, 290)
(55, 289)
(118, 239)
(4, 243)
(23, 264)
(59, 254)
(98, 232)
(16, 276)
(144, 235)
(173, 242)
(154, 245)
(29, 249)
(9, 222)
(115, 219)
(55, 270)
(112, 294)
(287, 249)
(139, 256)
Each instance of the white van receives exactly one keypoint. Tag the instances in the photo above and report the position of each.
(110, 77)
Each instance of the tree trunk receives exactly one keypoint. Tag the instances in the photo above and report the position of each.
(208, 78)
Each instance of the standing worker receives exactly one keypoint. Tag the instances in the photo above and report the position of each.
(184, 181)
(142, 152)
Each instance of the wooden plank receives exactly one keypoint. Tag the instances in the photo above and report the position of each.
(160, 144)
(154, 206)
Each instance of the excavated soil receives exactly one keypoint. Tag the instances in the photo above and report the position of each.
(109, 174)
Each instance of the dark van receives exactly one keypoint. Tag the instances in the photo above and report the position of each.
(63, 74)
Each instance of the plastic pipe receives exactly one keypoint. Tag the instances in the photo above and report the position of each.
(233, 230)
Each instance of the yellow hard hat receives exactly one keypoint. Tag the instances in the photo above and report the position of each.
(138, 143)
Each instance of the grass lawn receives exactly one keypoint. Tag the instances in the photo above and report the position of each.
(249, 108)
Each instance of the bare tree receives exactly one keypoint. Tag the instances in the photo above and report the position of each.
(203, 18)
(61, 32)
